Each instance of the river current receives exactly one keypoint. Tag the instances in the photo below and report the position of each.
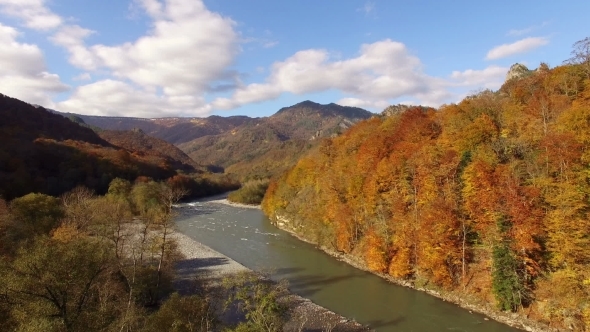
(249, 238)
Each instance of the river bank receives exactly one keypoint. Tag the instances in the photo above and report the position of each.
(222, 199)
(204, 263)
(511, 319)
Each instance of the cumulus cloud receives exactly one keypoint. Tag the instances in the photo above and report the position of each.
(381, 73)
(521, 46)
(71, 37)
(186, 53)
(23, 73)
(490, 78)
(188, 48)
(357, 102)
(117, 98)
(33, 13)
(382, 70)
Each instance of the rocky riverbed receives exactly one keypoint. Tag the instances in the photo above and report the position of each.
(209, 266)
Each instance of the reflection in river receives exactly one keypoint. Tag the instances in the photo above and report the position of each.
(247, 236)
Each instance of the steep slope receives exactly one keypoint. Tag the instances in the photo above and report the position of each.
(269, 145)
(144, 145)
(46, 152)
(486, 201)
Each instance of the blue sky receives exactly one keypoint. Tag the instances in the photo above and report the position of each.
(157, 58)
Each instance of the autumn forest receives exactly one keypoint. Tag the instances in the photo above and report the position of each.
(487, 199)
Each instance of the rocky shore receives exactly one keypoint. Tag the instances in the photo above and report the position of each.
(204, 263)
(512, 319)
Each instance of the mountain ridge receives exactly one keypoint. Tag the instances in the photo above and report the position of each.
(259, 143)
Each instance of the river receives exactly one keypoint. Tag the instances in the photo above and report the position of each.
(248, 237)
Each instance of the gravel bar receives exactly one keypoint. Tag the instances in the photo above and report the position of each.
(204, 263)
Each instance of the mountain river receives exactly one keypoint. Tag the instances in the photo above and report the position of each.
(248, 237)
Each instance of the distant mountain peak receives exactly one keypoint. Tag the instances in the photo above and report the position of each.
(307, 103)
(331, 109)
(517, 70)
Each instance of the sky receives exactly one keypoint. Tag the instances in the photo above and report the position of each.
(195, 58)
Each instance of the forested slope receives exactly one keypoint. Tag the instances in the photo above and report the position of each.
(487, 198)
(144, 145)
(47, 153)
(270, 145)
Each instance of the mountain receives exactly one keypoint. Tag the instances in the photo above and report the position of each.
(173, 130)
(45, 152)
(240, 145)
(263, 147)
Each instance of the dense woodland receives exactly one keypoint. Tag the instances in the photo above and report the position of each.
(488, 198)
(88, 263)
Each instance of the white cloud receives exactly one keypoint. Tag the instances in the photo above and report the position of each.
(186, 53)
(490, 78)
(524, 31)
(71, 37)
(262, 41)
(383, 70)
(270, 43)
(82, 77)
(33, 13)
(116, 98)
(23, 73)
(521, 46)
(368, 8)
(356, 102)
(520, 32)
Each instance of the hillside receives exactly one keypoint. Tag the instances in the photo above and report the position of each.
(270, 145)
(173, 130)
(486, 200)
(47, 153)
(144, 145)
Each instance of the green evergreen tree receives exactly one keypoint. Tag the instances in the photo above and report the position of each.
(507, 283)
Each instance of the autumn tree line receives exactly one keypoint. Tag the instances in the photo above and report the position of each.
(81, 262)
(488, 198)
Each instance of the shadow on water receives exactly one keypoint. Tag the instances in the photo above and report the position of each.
(310, 284)
(283, 273)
